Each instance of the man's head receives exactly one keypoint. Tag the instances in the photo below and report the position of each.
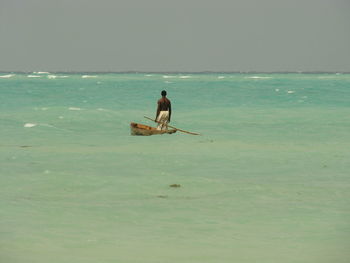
(163, 93)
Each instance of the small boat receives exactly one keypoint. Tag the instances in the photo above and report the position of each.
(141, 129)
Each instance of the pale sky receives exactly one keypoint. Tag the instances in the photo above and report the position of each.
(175, 35)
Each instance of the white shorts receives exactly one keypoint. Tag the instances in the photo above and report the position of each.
(163, 117)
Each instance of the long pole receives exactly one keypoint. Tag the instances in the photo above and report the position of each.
(193, 133)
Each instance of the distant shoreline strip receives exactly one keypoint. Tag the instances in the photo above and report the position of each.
(175, 72)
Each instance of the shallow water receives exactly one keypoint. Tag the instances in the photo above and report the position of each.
(266, 182)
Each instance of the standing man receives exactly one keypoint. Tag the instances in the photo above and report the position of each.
(163, 112)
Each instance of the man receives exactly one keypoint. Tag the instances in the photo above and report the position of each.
(163, 112)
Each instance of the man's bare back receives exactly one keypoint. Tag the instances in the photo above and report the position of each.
(164, 104)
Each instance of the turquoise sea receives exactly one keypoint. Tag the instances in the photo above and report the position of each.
(267, 181)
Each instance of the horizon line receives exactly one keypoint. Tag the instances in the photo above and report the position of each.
(181, 72)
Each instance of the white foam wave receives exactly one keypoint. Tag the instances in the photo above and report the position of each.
(74, 108)
(29, 125)
(7, 76)
(56, 77)
(258, 77)
(290, 91)
(41, 72)
(168, 77)
(33, 76)
(185, 77)
(88, 76)
(221, 77)
(106, 110)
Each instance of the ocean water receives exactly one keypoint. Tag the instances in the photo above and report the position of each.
(267, 181)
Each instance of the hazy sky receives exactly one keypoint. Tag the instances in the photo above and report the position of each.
(175, 35)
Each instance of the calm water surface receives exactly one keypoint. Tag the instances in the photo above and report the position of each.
(268, 180)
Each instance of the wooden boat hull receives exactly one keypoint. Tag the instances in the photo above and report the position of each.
(144, 130)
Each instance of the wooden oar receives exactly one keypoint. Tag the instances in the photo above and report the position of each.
(193, 133)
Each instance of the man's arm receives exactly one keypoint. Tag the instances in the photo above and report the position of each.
(158, 111)
(169, 110)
